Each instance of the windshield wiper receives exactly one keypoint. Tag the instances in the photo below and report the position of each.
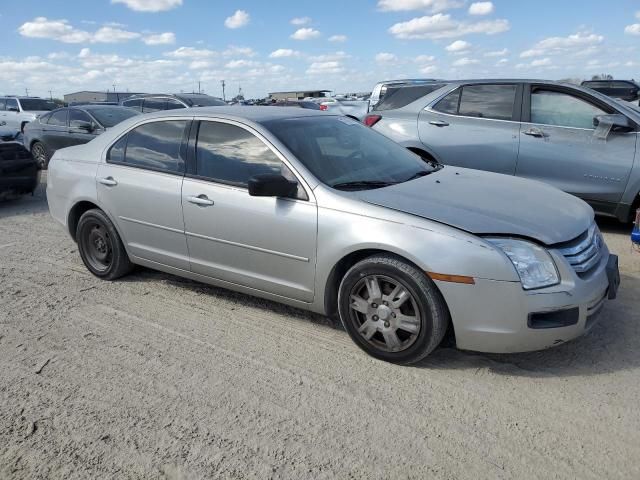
(363, 184)
(421, 173)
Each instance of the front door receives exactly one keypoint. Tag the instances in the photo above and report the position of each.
(56, 131)
(475, 126)
(78, 136)
(559, 145)
(139, 186)
(264, 243)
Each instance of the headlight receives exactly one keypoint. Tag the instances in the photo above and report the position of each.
(532, 262)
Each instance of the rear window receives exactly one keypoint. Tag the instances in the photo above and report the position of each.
(398, 97)
(37, 104)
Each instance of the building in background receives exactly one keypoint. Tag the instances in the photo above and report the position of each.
(103, 96)
(298, 94)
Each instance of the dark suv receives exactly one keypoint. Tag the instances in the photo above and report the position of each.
(627, 90)
(161, 101)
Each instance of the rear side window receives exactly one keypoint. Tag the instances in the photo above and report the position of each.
(173, 104)
(58, 118)
(154, 146)
(488, 101)
(398, 97)
(135, 103)
(449, 104)
(230, 154)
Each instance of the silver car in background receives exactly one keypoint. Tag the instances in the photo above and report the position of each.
(322, 213)
(573, 138)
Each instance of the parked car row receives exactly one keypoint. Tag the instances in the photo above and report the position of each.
(571, 137)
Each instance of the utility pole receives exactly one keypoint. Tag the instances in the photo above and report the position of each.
(223, 97)
(51, 95)
(26, 91)
(199, 90)
(114, 87)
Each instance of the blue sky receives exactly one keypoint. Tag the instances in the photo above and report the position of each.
(345, 46)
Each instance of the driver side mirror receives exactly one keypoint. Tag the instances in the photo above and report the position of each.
(272, 185)
(13, 109)
(82, 125)
(617, 121)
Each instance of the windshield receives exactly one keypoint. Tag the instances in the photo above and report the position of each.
(204, 101)
(344, 154)
(36, 105)
(108, 117)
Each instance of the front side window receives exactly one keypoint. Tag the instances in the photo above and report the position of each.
(155, 146)
(230, 154)
(76, 116)
(58, 118)
(12, 103)
(549, 107)
(153, 105)
(488, 101)
(2, 104)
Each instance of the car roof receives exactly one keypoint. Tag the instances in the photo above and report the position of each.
(256, 114)
(99, 107)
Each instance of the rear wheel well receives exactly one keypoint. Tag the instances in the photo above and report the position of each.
(74, 216)
(22, 125)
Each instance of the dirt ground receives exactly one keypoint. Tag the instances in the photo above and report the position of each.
(154, 376)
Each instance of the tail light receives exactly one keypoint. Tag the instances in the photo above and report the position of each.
(323, 107)
(371, 120)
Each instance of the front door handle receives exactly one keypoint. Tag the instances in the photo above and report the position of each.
(439, 123)
(201, 200)
(534, 132)
(108, 181)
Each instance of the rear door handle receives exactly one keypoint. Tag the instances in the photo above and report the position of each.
(201, 200)
(109, 181)
(439, 123)
(534, 132)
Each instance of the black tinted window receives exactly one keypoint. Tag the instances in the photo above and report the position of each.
(231, 154)
(156, 146)
(596, 84)
(153, 105)
(12, 103)
(488, 101)
(58, 118)
(173, 104)
(398, 97)
(449, 104)
(116, 152)
(2, 103)
(76, 116)
(110, 117)
(135, 103)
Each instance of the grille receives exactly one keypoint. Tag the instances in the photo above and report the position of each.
(584, 252)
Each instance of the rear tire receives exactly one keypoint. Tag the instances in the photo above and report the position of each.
(40, 155)
(100, 246)
(392, 310)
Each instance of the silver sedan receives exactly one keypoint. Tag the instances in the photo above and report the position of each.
(319, 212)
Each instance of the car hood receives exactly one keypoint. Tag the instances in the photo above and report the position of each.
(487, 203)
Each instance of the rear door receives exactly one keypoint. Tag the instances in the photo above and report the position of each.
(139, 185)
(558, 144)
(56, 131)
(265, 243)
(475, 126)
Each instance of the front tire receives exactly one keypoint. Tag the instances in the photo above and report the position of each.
(100, 246)
(392, 310)
(40, 154)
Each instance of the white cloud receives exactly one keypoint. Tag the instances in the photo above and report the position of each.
(463, 62)
(190, 52)
(459, 46)
(239, 19)
(113, 35)
(501, 62)
(331, 57)
(538, 63)
(433, 6)
(150, 5)
(443, 26)
(165, 38)
(633, 29)
(428, 69)
(424, 59)
(561, 45)
(241, 64)
(233, 50)
(498, 53)
(481, 8)
(300, 21)
(338, 38)
(305, 34)
(541, 62)
(284, 52)
(638, 14)
(62, 31)
(58, 56)
(384, 57)
(324, 68)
